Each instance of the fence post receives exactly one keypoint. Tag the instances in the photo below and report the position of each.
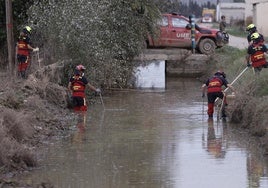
(192, 22)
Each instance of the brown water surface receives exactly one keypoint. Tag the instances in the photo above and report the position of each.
(153, 139)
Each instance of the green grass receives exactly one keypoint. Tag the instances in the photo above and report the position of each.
(232, 60)
(237, 31)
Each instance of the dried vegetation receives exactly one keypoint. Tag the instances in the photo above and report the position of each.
(248, 110)
(31, 112)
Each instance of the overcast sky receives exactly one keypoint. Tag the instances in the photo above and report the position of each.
(204, 1)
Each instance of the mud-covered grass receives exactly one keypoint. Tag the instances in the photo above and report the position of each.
(32, 112)
(16, 131)
(250, 106)
(250, 109)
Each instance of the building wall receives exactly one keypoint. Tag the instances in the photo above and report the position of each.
(257, 9)
(232, 11)
(249, 6)
(260, 20)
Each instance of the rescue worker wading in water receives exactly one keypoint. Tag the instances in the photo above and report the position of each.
(214, 91)
(77, 85)
(23, 51)
(256, 53)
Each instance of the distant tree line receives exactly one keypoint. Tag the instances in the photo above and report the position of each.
(186, 9)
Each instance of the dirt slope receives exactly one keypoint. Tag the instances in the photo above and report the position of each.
(32, 111)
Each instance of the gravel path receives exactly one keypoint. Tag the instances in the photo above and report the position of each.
(238, 42)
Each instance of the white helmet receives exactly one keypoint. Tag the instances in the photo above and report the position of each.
(80, 67)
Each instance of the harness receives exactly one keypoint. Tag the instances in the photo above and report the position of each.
(78, 87)
(214, 85)
(257, 58)
(23, 47)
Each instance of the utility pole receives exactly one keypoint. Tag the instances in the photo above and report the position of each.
(10, 36)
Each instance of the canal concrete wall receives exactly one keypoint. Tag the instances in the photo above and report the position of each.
(152, 75)
(157, 64)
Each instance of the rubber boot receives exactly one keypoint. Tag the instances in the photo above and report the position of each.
(210, 110)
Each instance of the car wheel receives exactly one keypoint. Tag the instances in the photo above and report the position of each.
(207, 46)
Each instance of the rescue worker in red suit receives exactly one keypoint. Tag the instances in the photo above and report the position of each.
(214, 91)
(77, 85)
(251, 28)
(23, 51)
(256, 53)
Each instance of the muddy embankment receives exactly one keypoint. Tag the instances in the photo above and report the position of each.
(32, 112)
(249, 111)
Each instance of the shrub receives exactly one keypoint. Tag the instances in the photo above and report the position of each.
(102, 35)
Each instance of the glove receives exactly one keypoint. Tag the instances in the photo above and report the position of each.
(203, 95)
(248, 64)
(35, 49)
(98, 90)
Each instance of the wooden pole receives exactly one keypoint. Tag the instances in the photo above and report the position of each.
(10, 36)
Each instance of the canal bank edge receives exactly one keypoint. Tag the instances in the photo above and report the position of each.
(35, 101)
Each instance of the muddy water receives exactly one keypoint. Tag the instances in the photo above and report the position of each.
(153, 139)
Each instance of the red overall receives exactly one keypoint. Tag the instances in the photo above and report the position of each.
(258, 58)
(214, 90)
(23, 54)
(78, 88)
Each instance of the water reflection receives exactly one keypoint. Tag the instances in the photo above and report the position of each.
(256, 169)
(153, 139)
(79, 136)
(215, 142)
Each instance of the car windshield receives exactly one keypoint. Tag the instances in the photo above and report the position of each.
(163, 22)
(176, 22)
(179, 22)
(207, 15)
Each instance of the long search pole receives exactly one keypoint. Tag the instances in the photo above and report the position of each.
(237, 78)
(10, 36)
(102, 101)
(234, 81)
(228, 88)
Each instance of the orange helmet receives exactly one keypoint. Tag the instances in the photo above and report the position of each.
(80, 67)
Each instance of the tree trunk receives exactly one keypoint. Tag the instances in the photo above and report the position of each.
(10, 36)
